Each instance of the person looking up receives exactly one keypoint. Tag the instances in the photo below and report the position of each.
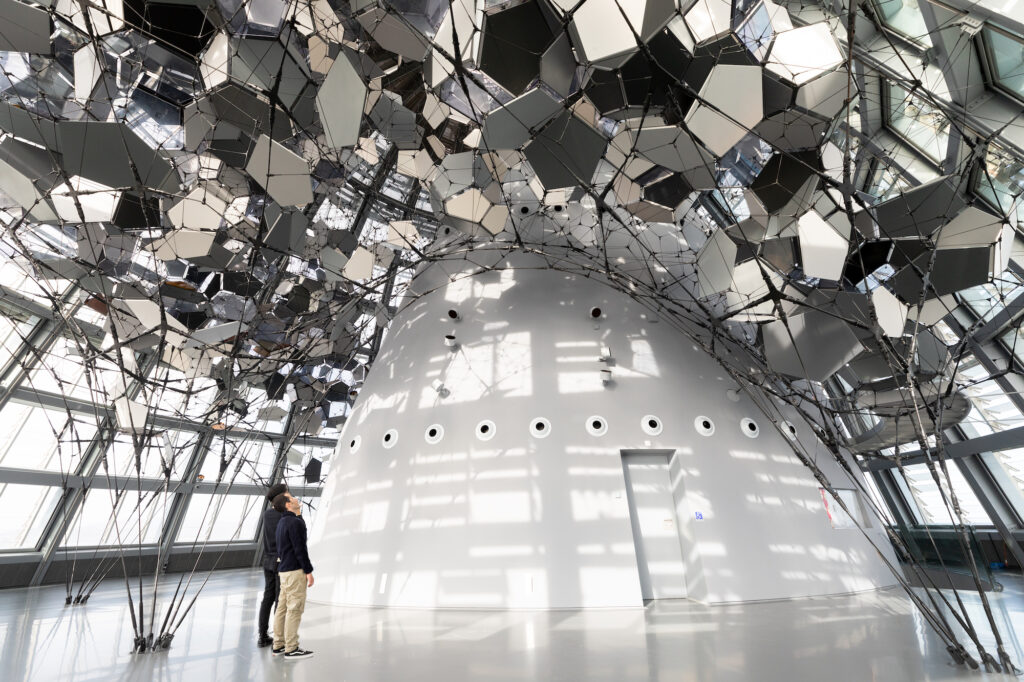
(296, 575)
(271, 585)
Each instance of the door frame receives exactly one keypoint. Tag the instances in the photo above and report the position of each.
(634, 522)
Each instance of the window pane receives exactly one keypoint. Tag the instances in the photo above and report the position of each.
(756, 31)
(244, 461)
(930, 502)
(904, 17)
(1013, 462)
(1006, 56)
(97, 524)
(988, 300)
(176, 394)
(248, 410)
(220, 518)
(12, 332)
(252, 461)
(993, 410)
(1014, 341)
(167, 450)
(1002, 181)
(33, 437)
(925, 127)
(946, 333)
(885, 183)
(295, 467)
(17, 275)
(64, 374)
(27, 508)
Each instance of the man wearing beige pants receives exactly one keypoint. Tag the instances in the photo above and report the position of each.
(295, 573)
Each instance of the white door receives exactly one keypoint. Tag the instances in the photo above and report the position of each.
(652, 511)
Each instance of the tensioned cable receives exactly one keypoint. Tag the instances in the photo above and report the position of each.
(614, 221)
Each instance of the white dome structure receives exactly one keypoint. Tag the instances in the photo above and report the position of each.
(537, 439)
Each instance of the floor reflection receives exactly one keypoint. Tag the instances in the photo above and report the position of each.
(873, 636)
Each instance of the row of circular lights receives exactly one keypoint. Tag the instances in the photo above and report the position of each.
(595, 425)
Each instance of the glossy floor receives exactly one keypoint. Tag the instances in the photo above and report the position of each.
(876, 636)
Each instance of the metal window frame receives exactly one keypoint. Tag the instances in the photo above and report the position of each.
(887, 112)
(75, 486)
(988, 68)
(972, 456)
(878, 19)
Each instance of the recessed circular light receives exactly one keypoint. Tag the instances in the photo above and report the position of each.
(485, 430)
(540, 428)
(433, 434)
(704, 425)
(596, 426)
(651, 425)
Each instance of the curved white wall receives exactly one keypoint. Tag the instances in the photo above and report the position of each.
(520, 521)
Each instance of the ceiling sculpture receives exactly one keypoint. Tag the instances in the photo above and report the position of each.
(242, 190)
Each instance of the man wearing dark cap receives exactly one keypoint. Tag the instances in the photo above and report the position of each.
(271, 583)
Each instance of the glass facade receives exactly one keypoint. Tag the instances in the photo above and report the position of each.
(1013, 340)
(27, 510)
(988, 300)
(934, 501)
(57, 422)
(1012, 462)
(117, 517)
(756, 31)
(1000, 181)
(220, 518)
(885, 183)
(920, 123)
(55, 416)
(56, 431)
(1005, 59)
(994, 408)
(905, 18)
(57, 438)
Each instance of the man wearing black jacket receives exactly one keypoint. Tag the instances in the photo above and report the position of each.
(296, 575)
(271, 585)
